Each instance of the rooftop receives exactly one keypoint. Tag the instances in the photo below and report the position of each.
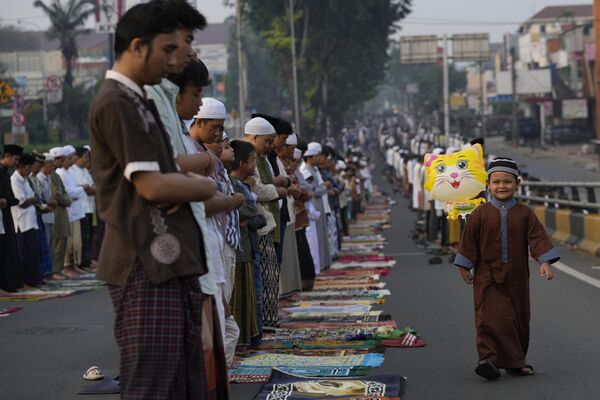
(564, 11)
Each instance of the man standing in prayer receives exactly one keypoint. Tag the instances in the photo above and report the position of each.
(43, 177)
(151, 257)
(25, 217)
(77, 194)
(11, 276)
(319, 200)
(61, 229)
(261, 134)
(83, 179)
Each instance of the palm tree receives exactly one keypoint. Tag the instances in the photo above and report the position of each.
(64, 21)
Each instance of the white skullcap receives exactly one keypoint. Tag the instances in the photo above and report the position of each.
(438, 151)
(314, 148)
(68, 150)
(211, 109)
(57, 152)
(48, 157)
(88, 147)
(297, 154)
(292, 140)
(259, 126)
(340, 165)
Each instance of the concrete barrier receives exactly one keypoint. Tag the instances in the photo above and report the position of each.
(573, 228)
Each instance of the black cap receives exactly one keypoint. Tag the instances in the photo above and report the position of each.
(504, 164)
(282, 127)
(27, 159)
(478, 140)
(13, 149)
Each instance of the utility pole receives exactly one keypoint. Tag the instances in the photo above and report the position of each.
(513, 76)
(482, 102)
(446, 93)
(294, 70)
(597, 67)
(241, 66)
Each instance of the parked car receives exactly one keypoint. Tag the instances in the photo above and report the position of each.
(529, 130)
(559, 134)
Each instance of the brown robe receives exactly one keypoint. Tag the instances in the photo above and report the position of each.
(496, 241)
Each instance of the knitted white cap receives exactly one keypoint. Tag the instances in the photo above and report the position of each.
(57, 152)
(211, 109)
(68, 150)
(259, 126)
(314, 148)
(292, 140)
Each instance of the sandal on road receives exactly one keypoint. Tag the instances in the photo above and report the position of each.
(526, 370)
(486, 369)
(93, 374)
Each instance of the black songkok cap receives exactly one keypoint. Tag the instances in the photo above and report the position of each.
(13, 149)
(27, 159)
(504, 165)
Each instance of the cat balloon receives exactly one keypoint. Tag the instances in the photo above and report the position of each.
(456, 179)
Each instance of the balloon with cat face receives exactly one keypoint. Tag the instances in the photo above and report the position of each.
(456, 179)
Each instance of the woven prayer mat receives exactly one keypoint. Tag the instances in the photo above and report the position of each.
(289, 360)
(282, 386)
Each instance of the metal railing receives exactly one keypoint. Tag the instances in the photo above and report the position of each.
(580, 196)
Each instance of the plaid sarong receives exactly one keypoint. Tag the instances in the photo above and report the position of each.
(158, 332)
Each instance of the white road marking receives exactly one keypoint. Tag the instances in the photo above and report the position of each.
(576, 274)
(595, 267)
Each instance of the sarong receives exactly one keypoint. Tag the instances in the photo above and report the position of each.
(270, 280)
(332, 236)
(313, 244)
(158, 329)
(87, 236)
(214, 355)
(43, 251)
(29, 257)
(290, 280)
(307, 266)
(243, 302)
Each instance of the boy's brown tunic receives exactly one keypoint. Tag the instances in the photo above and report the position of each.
(496, 241)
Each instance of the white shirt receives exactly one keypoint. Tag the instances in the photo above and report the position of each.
(75, 192)
(82, 177)
(48, 218)
(25, 218)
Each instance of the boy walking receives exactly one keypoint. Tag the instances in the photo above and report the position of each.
(496, 243)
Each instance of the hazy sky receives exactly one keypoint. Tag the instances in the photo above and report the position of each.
(428, 16)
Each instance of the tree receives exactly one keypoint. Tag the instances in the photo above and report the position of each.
(65, 19)
(342, 51)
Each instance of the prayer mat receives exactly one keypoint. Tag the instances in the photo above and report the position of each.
(6, 311)
(38, 295)
(282, 386)
(238, 375)
(312, 303)
(276, 360)
(326, 309)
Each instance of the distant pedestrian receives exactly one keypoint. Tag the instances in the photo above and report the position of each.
(496, 243)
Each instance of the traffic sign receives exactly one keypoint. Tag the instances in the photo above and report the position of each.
(6, 92)
(107, 15)
(18, 119)
(54, 83)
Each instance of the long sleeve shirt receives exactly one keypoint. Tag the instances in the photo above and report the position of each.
(24, 218)
(75, 192)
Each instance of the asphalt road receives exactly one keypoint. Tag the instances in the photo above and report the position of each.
(46, 347)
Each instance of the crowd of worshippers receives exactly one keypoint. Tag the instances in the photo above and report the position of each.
(49, 228)
(203, 232)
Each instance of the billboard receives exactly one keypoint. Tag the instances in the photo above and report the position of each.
(471, 47)
(528, 82)
(419, 49)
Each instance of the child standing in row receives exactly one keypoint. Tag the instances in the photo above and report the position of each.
(496, 243)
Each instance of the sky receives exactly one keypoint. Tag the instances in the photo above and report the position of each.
(428, 16)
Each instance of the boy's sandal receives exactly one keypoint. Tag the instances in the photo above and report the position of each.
(527, 370)
(486, 369)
